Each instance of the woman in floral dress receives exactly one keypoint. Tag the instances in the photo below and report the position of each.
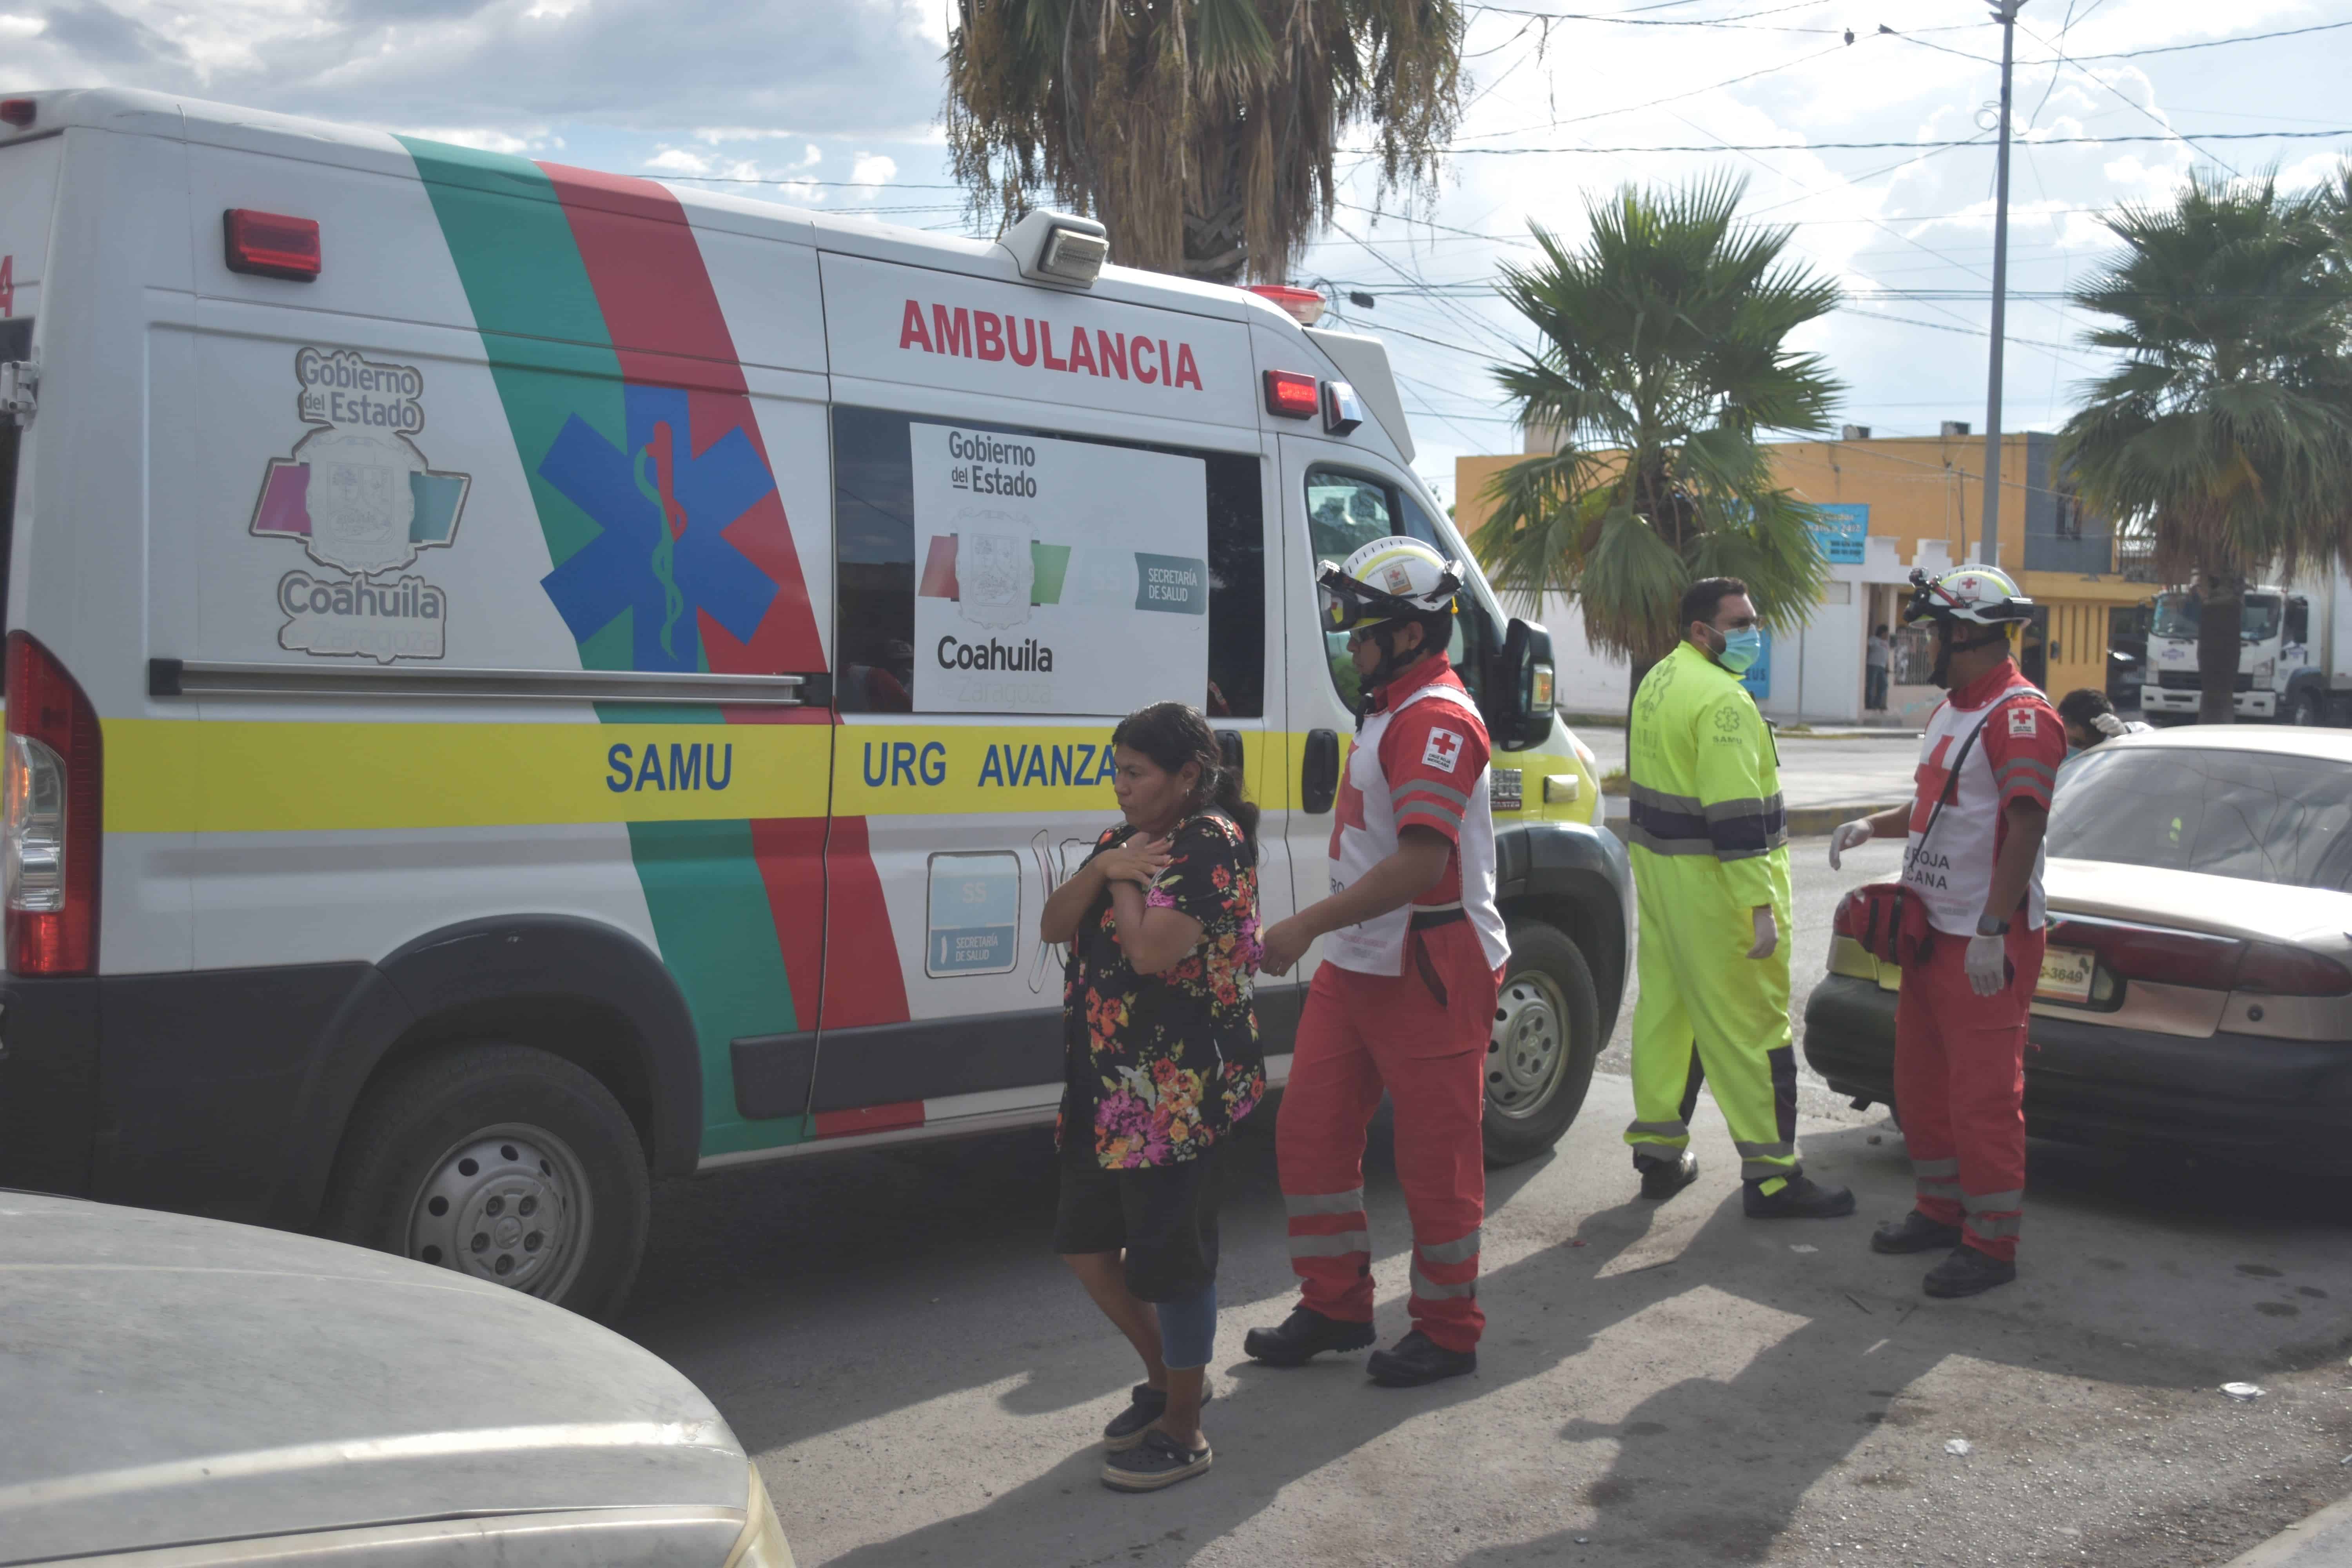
(1160, 1062)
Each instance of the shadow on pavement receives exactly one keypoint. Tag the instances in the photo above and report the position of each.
(931, 1269)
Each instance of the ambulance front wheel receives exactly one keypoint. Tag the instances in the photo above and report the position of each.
(504, 1163)
(1546, 1035)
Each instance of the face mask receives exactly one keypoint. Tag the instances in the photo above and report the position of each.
(1946, 647)
(1741, 649)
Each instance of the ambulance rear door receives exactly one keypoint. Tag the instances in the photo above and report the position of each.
(1052, 508)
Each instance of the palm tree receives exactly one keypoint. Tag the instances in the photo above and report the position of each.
(1201, 132)
(1663, 356)
(2228, 428)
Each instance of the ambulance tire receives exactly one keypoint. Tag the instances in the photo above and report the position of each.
(1546, 1036)
(443, 1159)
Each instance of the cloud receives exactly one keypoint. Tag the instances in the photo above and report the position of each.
(538, 140)
(105, 37)
(860, 68)
(871, 169)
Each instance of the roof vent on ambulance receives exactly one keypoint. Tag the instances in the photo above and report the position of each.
(1058, 247)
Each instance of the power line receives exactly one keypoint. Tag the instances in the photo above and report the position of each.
(1678, 96)
(2208, 44)
(1731, 22)
(1917, 146)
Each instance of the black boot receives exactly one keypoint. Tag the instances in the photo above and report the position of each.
(1418, 1359)
(1967, 1272)
(1303, 1335)
(1661, 1179)
(1801, 1198)
(1915, 1232)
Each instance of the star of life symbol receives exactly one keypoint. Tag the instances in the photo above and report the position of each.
(1443, 750)
(359, 495)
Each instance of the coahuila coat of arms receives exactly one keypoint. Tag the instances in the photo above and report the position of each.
(360, 497)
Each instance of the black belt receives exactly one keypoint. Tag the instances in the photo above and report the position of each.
(1430, 920)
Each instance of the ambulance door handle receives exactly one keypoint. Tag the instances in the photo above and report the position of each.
(1229, 748)
(1318, 774)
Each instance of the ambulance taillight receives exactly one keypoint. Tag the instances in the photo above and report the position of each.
(271, 244)
(50, 824)
(19, 111)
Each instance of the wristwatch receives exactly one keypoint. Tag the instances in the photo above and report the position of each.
(1988, 926)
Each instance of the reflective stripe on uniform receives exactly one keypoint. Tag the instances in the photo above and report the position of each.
(1992, 1202)
(1925, 1168)
(1460, 1251)
(1641, 838)
(1429, 1289)
(1742, 829)
(1993, 1228)
(1339, 1245)
(1350, 1202)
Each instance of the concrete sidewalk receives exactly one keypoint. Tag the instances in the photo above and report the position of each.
(2322, 1540)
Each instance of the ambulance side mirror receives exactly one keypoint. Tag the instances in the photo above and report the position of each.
(1523, 692)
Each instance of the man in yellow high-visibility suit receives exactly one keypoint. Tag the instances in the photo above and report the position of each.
(1710, 836)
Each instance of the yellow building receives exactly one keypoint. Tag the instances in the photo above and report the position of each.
(1904, 501)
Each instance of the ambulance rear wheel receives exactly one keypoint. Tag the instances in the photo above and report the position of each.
(1546, 1035)
(504, 1163)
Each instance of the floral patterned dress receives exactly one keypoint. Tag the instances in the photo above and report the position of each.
(1159, 1066)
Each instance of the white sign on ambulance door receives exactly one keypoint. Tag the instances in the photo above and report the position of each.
(1057, 576)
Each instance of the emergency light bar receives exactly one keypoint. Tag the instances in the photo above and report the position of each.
(271, 244)
(1304, 306)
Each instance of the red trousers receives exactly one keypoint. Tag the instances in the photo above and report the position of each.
(1959, 1088)
(1361, 1033)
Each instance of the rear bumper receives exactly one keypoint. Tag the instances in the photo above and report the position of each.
(2286, 1100)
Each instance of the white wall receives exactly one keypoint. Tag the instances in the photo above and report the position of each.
(1583, 681)
(1817, 671)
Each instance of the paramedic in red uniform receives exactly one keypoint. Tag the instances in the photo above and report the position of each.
(1405, 999)
(1990, 756)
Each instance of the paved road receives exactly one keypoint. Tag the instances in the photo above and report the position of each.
(1670, 1387)
(1812, 772)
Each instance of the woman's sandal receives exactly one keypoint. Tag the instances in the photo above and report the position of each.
(1155, 1462)
(1145, 1405)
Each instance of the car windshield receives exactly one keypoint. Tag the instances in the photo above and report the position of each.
(2263, 818)
(2177, 616)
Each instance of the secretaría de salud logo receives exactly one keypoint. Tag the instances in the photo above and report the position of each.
(360, 497)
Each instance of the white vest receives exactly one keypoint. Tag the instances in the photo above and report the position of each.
(1953, 876)
(1375, 946)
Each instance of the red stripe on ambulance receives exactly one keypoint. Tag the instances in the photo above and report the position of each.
(967, 333)
(869, 1118)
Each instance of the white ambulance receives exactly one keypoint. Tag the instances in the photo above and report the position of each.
(522, 680)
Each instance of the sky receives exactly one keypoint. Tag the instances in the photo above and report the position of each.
(836, 105)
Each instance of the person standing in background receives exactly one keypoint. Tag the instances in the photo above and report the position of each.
(1878, 660)
(1161, 1062)
(1987, 765)
(2090, 718)
(1710, 849)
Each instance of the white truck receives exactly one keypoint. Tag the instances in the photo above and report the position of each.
(2292, 666)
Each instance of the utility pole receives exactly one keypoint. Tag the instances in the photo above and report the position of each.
(2005, 13)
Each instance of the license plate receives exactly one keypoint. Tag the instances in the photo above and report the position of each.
(2067, 974)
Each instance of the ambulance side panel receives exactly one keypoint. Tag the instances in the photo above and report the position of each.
(943, 1007)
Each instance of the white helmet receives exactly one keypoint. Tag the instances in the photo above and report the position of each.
(1982, 596)
(1391, 579)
